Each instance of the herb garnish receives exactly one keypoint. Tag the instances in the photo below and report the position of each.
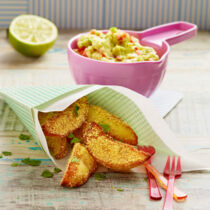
(76, 108)
(71, 135)
(31, 162)
(74, 160)
(5, 153)
(99, 176)
(15, 164)
(120, 189)
(1, 156)
(24, 137)
(47, 174)
(57, 170)
(105, 127)
(74, 139)
(145, 179)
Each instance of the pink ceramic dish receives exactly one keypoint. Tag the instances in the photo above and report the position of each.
(143, 77)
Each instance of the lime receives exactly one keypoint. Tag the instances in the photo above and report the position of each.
(32, 35)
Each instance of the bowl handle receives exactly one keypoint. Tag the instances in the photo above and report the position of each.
(172, 33)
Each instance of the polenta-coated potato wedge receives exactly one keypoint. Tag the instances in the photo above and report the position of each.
(65, 122)
(57, 145)
(118, 129)
(110, 153)
(80, 132)
(79, 168)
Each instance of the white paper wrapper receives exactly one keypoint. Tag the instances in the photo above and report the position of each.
(138, 112)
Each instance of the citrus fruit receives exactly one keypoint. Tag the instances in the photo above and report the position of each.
(32, 35)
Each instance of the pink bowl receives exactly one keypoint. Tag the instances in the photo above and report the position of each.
(142, 77)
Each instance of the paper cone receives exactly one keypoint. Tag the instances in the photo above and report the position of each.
(131, 107)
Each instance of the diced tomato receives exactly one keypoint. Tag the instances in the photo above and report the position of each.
(130, 39)
(118, 59)
(103, 55)
(139, 52)
(92, 32)
(136, 48)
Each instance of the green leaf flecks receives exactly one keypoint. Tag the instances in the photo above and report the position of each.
(47, 174)
(24, 137)
(5, 153)
(31, 162)
(76, 108)
(75, 140)
(74, 160)
(105, 127)
(100, 176)
(57, 170)
(15, 164)
(71, 135)
(120, 189)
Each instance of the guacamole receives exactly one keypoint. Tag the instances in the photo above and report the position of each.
(114, 46)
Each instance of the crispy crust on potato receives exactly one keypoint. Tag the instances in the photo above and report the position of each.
(80, 132)
(118, 129)
(112, 154)
(65, 122)
(79, 168)
(58, 146)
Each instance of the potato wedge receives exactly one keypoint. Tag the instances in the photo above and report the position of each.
(80, 132)
(57, 145)
(79, 168)
(65, 122)
(110, 153)
(118, 129)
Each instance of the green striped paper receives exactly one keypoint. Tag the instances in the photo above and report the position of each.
(24, 100)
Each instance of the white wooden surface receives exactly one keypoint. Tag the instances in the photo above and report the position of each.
(22, 187)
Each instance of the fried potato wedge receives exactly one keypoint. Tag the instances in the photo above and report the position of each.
(57, 145)
(79, 168)
(80, 132)
(117, 128)
(65, 122)
(110, 153)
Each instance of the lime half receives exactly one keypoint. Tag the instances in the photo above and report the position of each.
(32, 35)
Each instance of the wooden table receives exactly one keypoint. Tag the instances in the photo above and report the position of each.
(23, 188)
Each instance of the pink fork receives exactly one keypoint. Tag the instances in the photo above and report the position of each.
(154, 191)
(168, 202)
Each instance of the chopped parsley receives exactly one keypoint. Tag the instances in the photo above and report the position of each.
(15, 164)
(31, 162)
(71, 135)
(74, 139)
(100, 176)
(76, 108)
(105, 127)
(145, 179)
(5, 153)
(74, 160)
(24, 137)
(1, 156)
(47, 174)
(57, 170)
(120, 189)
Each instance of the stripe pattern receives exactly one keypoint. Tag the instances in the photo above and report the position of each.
(100, 14)
(134, 14)
(23, 100)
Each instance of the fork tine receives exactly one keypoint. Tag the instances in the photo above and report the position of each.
(178, 168)
(173, 166)
(167, 168)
